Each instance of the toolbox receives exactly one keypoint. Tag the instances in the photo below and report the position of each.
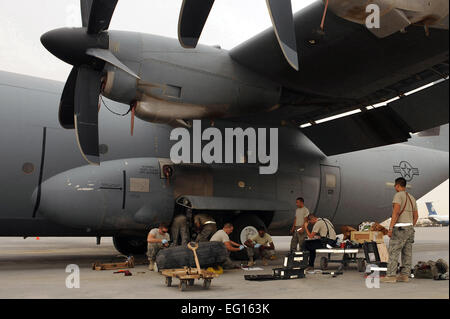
(294, 266)
(296, 259)
(289, 273)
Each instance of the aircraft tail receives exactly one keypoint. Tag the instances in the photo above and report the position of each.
(431, 210)
(436, 138)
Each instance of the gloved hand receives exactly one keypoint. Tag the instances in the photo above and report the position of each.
(164, 241)
(241, 247)
(257, 245)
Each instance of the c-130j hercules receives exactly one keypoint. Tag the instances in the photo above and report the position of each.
(344, 168)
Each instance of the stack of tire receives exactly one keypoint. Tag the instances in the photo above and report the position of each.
(209, 254)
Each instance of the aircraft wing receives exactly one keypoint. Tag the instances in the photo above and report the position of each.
(347, 68)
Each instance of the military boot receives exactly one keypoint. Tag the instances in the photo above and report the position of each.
(151, 266)
(389, 279)
(251, 263)
(402, 278)
(264, 262)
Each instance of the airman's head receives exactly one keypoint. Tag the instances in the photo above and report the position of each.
(400, 184)
(312, 219)
(300, 202)
(261, 231)
(163, 228)
(228, 228)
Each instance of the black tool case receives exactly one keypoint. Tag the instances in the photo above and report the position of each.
(289, 273)
(294, 265)
(296, 259)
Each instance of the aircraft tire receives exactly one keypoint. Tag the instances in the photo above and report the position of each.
(209, 254)
(130, 245)
(244, 226)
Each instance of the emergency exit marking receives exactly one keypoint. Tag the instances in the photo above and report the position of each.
(139, 185)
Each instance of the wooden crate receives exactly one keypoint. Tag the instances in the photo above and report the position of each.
(383, 252)
(362, 236)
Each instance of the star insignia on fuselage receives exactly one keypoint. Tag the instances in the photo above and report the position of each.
(406, 170)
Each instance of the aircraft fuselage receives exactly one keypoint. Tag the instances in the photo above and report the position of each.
(127, 194)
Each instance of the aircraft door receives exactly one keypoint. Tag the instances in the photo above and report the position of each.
(330, 191)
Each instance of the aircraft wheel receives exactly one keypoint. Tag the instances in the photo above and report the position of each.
(130, 245)
(244, 227)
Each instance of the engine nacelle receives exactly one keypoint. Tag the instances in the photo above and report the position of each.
(120, 86)
(179, 84)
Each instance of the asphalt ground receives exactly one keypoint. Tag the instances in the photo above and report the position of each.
(31, 268)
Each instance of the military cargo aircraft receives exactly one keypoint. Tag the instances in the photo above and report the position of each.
(343, 168)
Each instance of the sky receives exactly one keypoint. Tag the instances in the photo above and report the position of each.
(231, 22)
(22, 22)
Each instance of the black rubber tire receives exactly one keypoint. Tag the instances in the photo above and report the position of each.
(361, 264)
(209, 254)
(323, 263)
(130, 246)
(239, 224)
(183, 285)
(206, 283)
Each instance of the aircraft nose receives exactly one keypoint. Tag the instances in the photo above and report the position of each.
(73, 199)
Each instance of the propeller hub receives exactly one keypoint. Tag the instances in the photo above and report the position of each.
(70, 45)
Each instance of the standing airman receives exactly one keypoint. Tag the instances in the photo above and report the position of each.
(401, 233)
(299, 225)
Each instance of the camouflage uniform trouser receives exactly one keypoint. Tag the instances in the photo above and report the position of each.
(297, 239)
(207, 231)
(179, 229)
(228, 264)
(401, 243)
(153, 250)
(266, 253)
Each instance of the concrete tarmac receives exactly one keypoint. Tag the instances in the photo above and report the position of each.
(31, 268)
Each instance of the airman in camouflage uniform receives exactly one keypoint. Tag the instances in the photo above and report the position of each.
(401, 233)
(207, 226)
(180, 229)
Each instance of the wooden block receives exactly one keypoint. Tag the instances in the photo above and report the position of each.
(383, 252)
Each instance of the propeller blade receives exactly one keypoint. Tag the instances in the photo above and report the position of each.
(283, 23)
(87, 93)
(66, 106)
(100, 15)
(85, 11)
(193, 16)
(107, 56)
